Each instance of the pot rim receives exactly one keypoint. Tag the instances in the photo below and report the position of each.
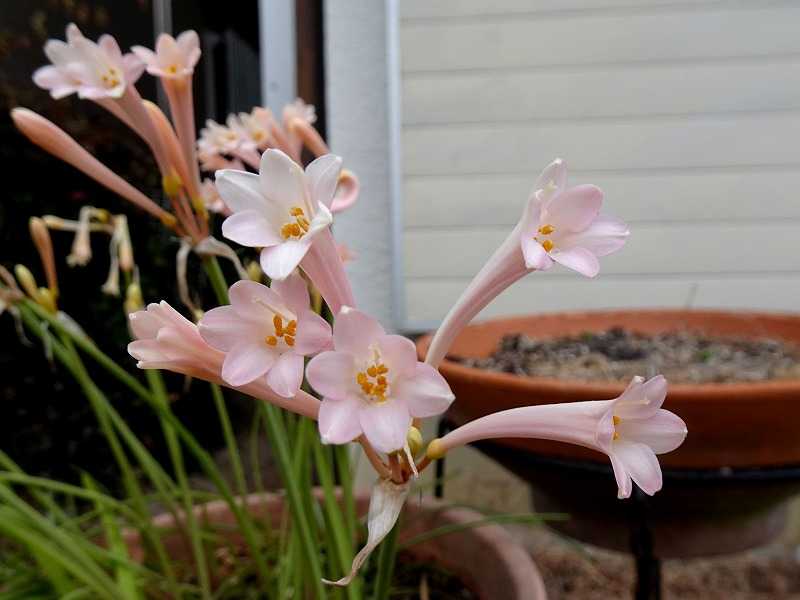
(712, 392)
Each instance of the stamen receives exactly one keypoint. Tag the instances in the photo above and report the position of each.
(372, 382)
(546, 229)
(298, 227)
(616, 420)
(547, 245)
(272, 340)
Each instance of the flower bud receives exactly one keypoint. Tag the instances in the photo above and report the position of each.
(414, 439)
(27, 281)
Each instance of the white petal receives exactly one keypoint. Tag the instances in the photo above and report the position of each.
(223, 328)
(641, 463)
(246, 362)
(354, 331)
(323, 176)
(313, 334)
(386, 424)
(332, 374)
(280, 261)
(294, 292)
(286, 375)
(282, 180)
(338, 420)
(604, 236)
(241, 190)
(555, 173)
(250, 228)
(663, 432)
(427, 393)
(577, 259)
(256, 301)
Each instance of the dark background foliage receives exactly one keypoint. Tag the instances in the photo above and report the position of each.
(46, 424)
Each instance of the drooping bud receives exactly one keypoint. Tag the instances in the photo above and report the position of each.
(27, 281)
(44, 245)
(133, 298)
(254, 272)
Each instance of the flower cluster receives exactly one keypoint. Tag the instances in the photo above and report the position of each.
(270, 339)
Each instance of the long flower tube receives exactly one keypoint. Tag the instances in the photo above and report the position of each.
(165, 339)
(559, 224)
(57, 142)
(630, 429)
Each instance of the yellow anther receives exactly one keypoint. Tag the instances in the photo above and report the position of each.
(172, 69)
(372, 371)
(616, 420)
(546, 229)
(381, 380)
(547, 245)
(291, 328)
(289, 340)
(272, 340)
(382, 369)
(286, 231)
(277, 322)
(361, 378)
(616, 436)
(296, 211)
(303, 223)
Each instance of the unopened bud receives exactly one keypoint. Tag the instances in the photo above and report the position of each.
(44, 245)
(101, 214)
(253, 271)
(27, 281)
(133, 298)
(172, 184)
(436, 449)
(125, 248)
(47, 300)
(414, 439)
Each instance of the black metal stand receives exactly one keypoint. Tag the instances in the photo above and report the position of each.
(648, 566)
(442, 429)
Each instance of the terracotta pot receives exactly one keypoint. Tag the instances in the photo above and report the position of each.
(487, 559)
(725, 489)
(731, 425)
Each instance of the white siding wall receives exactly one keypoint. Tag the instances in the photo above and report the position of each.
(685, 113)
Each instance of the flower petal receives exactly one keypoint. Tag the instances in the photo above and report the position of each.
(662, 432)
(241, 190)
(332, 374)
(338, 420)
(577, 259)
(247, 361)
(313, 334)
(385, 424)
(282, 180)
(624, 485)
(604, 236)
(255, 301)
(250, 228)
(323, 176)
(426, 393)
(223, 328)
(354, 331)
(281, 260)
(535, 255)
(399, 354)
(294, 292)
(641, 399)
(641, 463)
(286, 375)
(575, 208)
(555, 173)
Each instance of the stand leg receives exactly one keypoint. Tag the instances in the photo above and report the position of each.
(648, 566)
(442, 429)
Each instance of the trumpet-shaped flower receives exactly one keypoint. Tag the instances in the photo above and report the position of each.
(371, 383)
(558, 224)
(630, 429)
(173, 59)
(167, 340)
(287, 212)
(564, 225)
(266, 331)
(92, 70)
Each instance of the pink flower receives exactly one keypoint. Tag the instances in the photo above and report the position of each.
(287, 212)
(92, 70)
(266, 331)
(371, 383)
(630, 429)
(173, 58)
(564, 225)
(167, 340)
(558, 224)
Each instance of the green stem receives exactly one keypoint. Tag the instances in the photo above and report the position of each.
(217, 278)
(386, 560)
(230, 440)
(300, 518)
(159, 392)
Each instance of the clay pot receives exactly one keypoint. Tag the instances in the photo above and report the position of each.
(730, 425)
(725, 489)
(487, 559)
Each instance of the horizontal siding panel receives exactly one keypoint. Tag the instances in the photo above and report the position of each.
(463, 201)
(607, 92)
(652, 248)
(429, 301)
(599, 38)
(761, 139)
(426, 9)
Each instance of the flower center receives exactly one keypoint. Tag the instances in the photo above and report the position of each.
(296, 227)
(172, 69)
(545, 230)
(373, 381)
(288, 333)
(617, 421)
(110, 78)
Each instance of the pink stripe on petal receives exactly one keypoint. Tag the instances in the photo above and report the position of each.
(332, 374)
(286, 375)
(338, 420)
(246, 362)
